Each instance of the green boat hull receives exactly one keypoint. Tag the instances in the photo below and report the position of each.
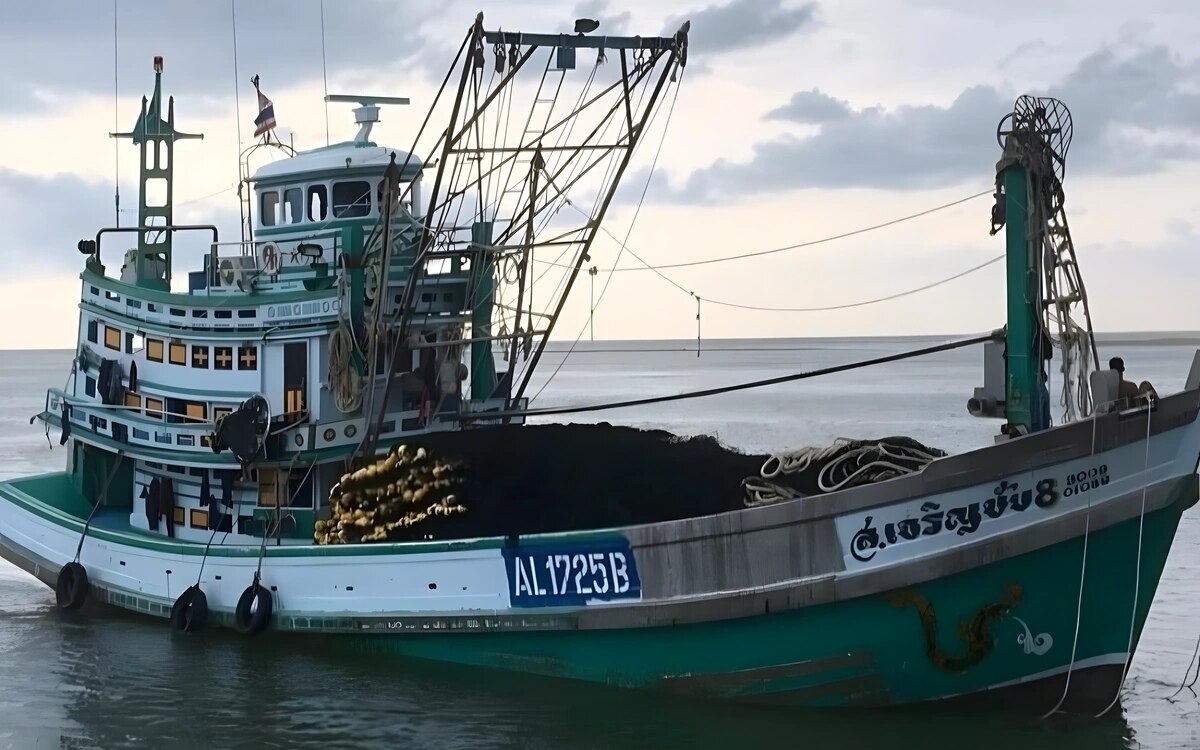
(1008, 625)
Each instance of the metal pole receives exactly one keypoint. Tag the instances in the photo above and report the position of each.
(592, 308)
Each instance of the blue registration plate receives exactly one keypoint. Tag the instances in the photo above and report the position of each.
(571, 574)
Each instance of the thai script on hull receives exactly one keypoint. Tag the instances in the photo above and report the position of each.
(1007, 499)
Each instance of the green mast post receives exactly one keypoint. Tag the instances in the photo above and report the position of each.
(157, 137)
(1025, 380)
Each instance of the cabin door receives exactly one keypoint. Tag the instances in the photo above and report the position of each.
(295, 377)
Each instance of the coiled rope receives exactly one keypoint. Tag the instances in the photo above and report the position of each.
(845, 463)
(344, 383)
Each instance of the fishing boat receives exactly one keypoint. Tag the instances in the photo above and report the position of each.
(325, 435)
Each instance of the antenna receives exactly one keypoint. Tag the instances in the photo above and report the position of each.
(324, 73)
(116, 124)
(367, 112)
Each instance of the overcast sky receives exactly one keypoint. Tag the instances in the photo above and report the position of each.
(795, 121)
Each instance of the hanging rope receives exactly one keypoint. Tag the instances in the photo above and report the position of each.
(1137, 573)
(1184, 683)
(99, 501)
(1087, 528)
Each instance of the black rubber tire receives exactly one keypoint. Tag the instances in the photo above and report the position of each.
(71, 588)
(253, 621)
(189, 613)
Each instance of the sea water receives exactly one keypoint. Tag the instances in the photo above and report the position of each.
(112, 679)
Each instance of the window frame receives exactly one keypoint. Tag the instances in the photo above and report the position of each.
(353, 209)
(112, 338)
(174, 346)
(200, 349)
(314, 189)
(151, 346)
(268, 218)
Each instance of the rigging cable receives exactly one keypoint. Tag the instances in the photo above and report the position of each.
(994, 336)
(237, 97)
(826, 308)
(608, 279)
(810, 243)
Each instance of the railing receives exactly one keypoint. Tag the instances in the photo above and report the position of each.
(109, 420)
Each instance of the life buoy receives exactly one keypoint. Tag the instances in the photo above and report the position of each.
(71, 588)
(251, 619)
(189, 613)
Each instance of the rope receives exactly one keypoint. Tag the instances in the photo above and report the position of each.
(736, 387)
(845, 463)
(1184, 683)
(99, 501)
(656, 269)
(1137, 575)
(862, 303)
(1087, 527)
(810, 243)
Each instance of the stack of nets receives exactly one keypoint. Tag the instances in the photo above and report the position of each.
(383, 500)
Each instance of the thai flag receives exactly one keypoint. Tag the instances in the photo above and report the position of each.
(266, 112)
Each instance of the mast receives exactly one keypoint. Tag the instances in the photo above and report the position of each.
(156, 137)
(1045, 291)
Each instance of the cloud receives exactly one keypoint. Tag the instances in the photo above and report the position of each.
(742, 23)
(45, 217)
(811, 107)
(67, 48)
(1134, 112)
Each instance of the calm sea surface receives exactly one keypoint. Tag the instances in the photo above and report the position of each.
(108, 679)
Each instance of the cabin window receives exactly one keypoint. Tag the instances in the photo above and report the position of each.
(247, 358)
(133, 399)
(92, 331)
(351, 199)
(129, 342)
(293, 206)
(222, 357)
(154, 407)
(177, 515)
(200, 357)
(154, 350)
(195, 411)
(199, 518)
(112, 338)
(89, 387)
(268, 205)
(178, 353)
(220, 412)
(318, 201)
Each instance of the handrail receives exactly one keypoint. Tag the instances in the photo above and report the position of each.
(165, 228)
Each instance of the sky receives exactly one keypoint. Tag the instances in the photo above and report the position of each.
(794, 121)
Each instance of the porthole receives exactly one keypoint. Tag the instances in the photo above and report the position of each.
(330, 434)
(350, 431)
